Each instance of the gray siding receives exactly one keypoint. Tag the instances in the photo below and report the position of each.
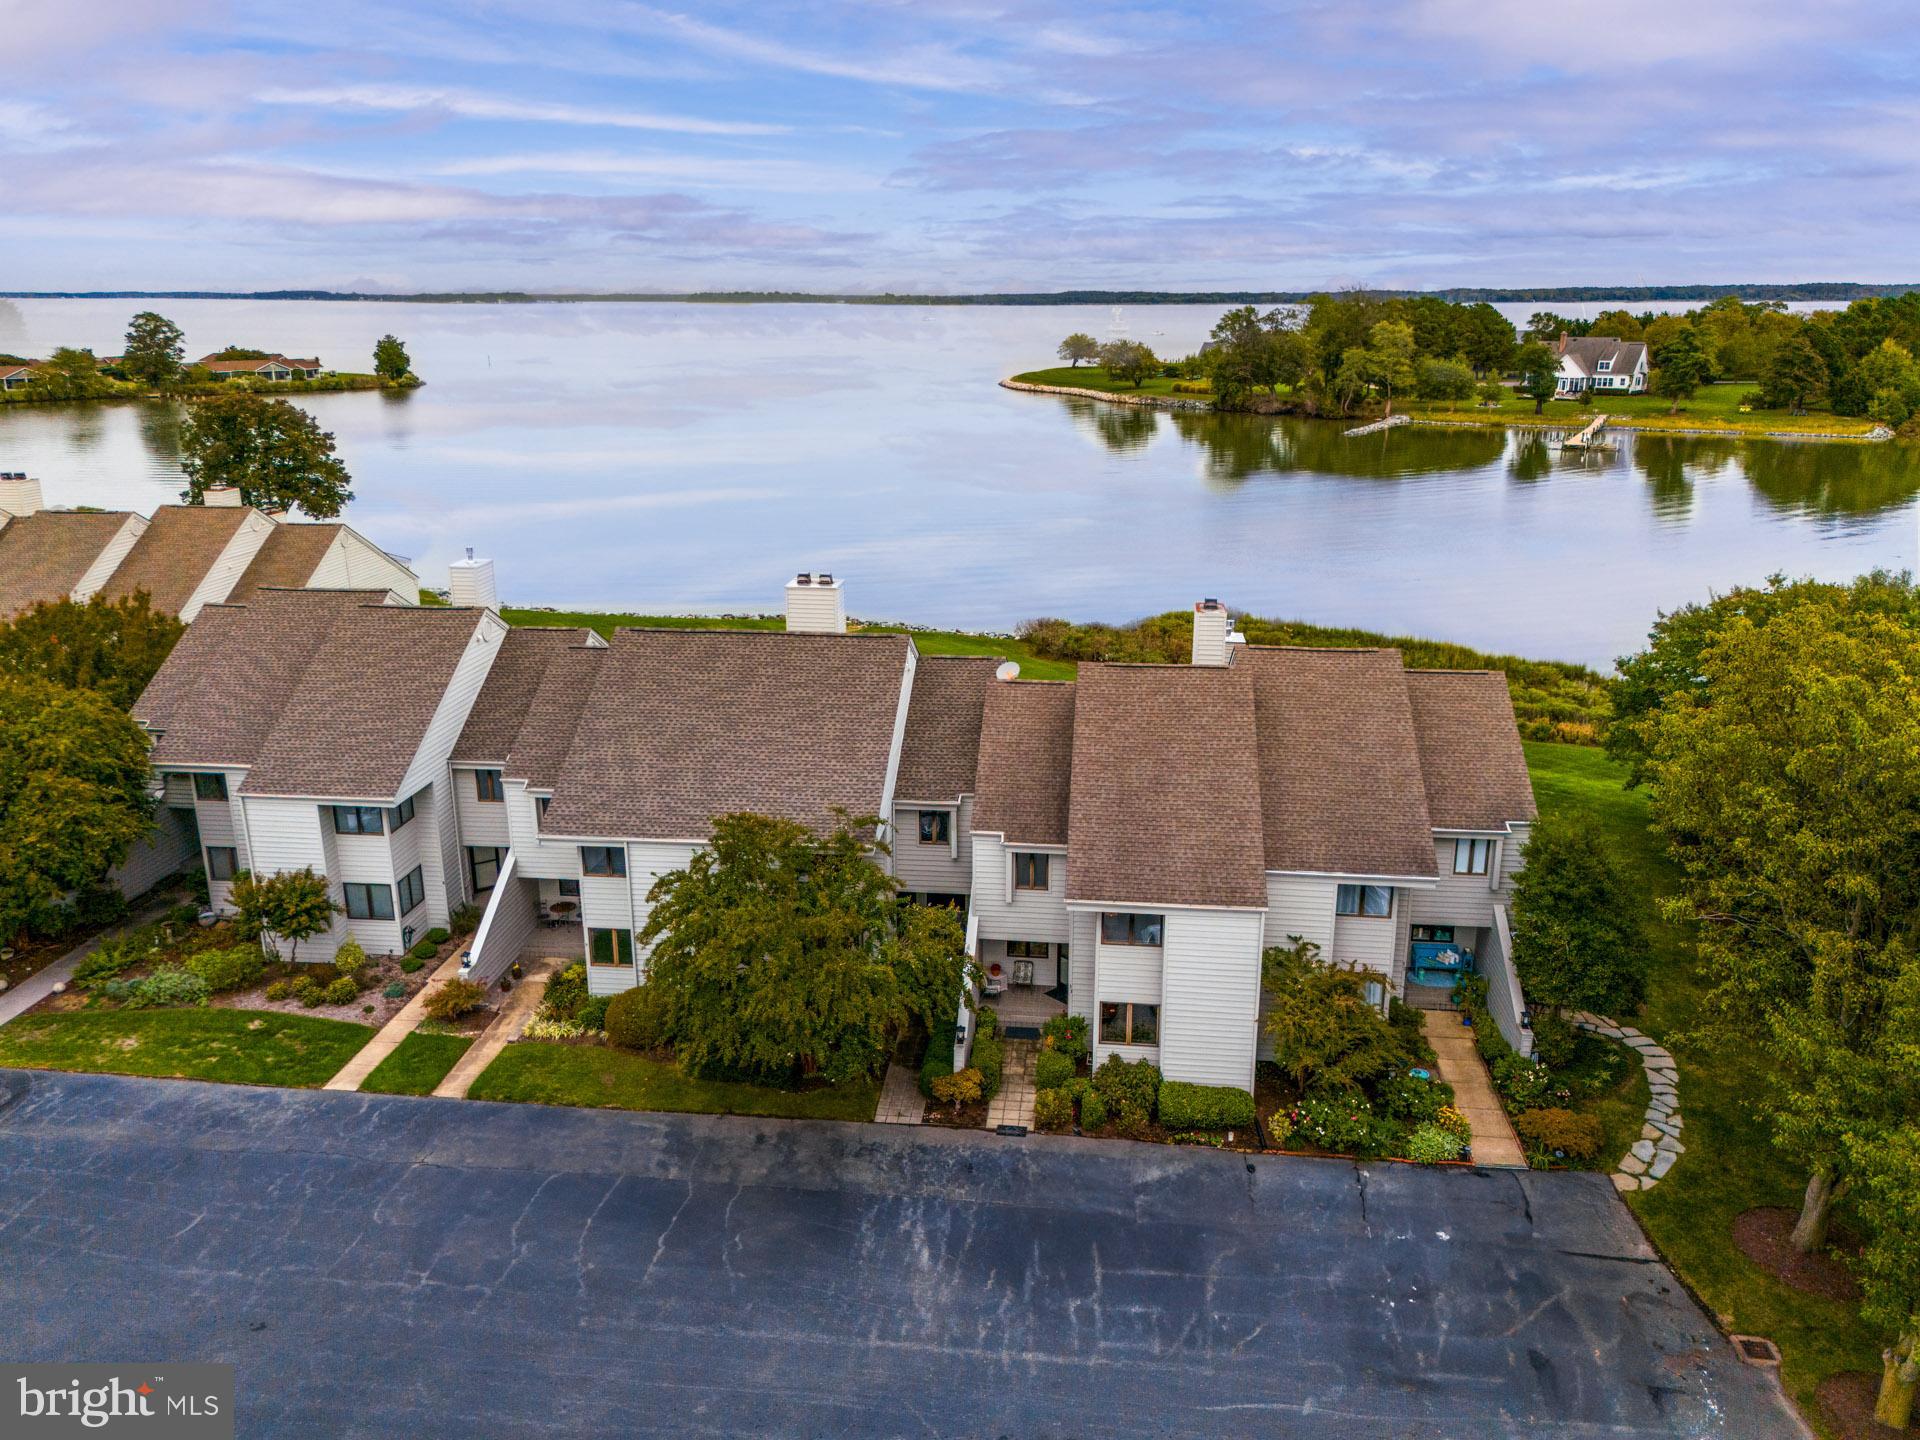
(1456, 899)
(287, 835)
(167, 850)
(1210, 981)
(1009, 914)
(226, 571)
(941, 869)
(1301, 905)
(482, 822)
(538, 858)
(108, 560)
(450, 717)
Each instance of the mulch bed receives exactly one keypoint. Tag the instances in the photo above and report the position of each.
(968, 1117)
(1847, 1400)
(1763, 1237)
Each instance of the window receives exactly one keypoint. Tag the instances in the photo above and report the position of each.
(1122, 1022)
(1372, 901)
(570, 889)
(402, 813)
(413, 890)
(1118, 928)
(486, 784)
(603, 860)
(223, 861)
(1376, 992)
(936, 827)
(1472, 857)
(359, 820)
(1026, 949)
(540, 804)
(210, 787)
(610, 947)
(1029, 871)
(483, 865)
(369, 902)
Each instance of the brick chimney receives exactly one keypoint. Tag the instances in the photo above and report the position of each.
(19, 495)
(815, 606)
(1211, 629)
(1563, 344)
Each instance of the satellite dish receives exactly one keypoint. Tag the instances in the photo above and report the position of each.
(1008, 670)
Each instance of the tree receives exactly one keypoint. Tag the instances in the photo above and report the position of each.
(1616, 325)
(73, 794)
(292, 905)
(112, 647)
(1129, 360)
(781, 953)
(1486, 339)
(1446, 380)
(1077, 347)
(1388, 358)
(154, 349)
(1493, 394)
(1250, 351)
(1681, 366)
(1539, 371)
(1577, 939)
(1325, 1035)
(390, 360)
(1890, 379)
(273, 452)
(1796, 377)
(1889, 1203)
(69, 374)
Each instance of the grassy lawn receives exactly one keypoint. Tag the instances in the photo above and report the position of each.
(242, 1047)
(1712, 407)
(929, 642)
(417, 1064)
(1095, 377)
(1730, 1164)
(602, 1077)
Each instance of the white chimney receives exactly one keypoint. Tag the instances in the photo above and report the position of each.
(1210, 631)
(223, 495)
(19, 495)
(814, 605)
(470, 583)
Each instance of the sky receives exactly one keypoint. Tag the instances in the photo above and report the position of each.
(593, 145)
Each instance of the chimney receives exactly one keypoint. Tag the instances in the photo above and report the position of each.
(814, 605)
(19, 495)
(470, 583)
(224, 495)
(1211, 629)
(1563, 342)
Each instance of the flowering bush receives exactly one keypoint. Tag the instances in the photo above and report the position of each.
(1066, 1034)
(1562, 1135)
(542, 1028)
(1454, 1122)
(1345, 1124)
(1429, 1145)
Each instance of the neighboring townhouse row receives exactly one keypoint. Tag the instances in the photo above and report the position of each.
(1127, 844)
(184, 557)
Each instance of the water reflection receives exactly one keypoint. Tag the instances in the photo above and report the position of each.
(1237, 447)
(1532, 457)
(1832, 481)
(1121, 428)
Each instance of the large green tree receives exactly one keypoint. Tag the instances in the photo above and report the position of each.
(1539, 370)
(1681, 366)
(73, 794)
(1129, 360)
(1796, 377)
(272, 451)
(780, 952)
(1250, 351)
(1325, 1035)
(112, 647)
(1486, 339)
(1077, 347)
(155, 349)
(1577, 939)
(390, 360)
(69, 374)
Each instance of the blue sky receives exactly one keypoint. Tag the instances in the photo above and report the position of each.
(582, 144)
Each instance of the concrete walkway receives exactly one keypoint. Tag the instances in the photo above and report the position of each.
(901, 1102)
(404, 1022)
(522, 1001)
(1494, 1143)
(18, 999)
(1013, 1104)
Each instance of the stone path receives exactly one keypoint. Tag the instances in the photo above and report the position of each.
(1659, 1147)
(901, 1102)
(1013, 1105)
(1460, 1065)
(405, 1020)
(18, 999)
(522, 1001)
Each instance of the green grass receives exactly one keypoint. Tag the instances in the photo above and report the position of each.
(1730, 1164)
(1712, 407)
(417, 1064)
(1095, 377)
(600, 1076)
(242, 1047)
(929, 642)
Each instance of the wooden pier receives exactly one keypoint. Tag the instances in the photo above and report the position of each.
(1589, 438)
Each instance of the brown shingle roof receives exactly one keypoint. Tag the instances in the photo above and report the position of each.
(173, 556)
(686, 725)
(1340, 781)
(1024, 776)
(1476, 771)
(553, 715)
(287, 561)
(43, 555)
(500, 710)
(942, 748)
(1166, 787)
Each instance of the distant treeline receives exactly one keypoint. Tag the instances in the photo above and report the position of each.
(1813, 290)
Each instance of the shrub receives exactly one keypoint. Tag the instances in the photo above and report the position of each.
(280, 990)
(962, 1087)
(1325, 1034)
(1130, 1122)
(1121, 1083)
(343, 991)
(988, 1057)
(1093, 1111)
(1185, 1106)
(1051, 1070)
(350, 958)
(1279, 1127)
(1344, 1124)
(111, 957)
(592, 1014)
(425, 950)
(1052, 1111)
(637, 1019)
(1577, 936)
(167, 985)
(1429, 1145)
(454, 999)
(938, 1059)
(439, 935)
(464, 918)
(545, 1027)
(395, 989)
(1068, 1035)
(1560, 1135)
(231, 969)
(1408, 1097)
(1455, 1123)
(1521, 1082)
(309, 991)
(566, 993)
(183, 917)
(408, 964)
(1554, 1039)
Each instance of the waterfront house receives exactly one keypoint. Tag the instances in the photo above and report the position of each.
(17, 377)
(1601, 364)
(266, 367)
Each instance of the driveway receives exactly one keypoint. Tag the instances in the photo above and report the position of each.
(379, 1265)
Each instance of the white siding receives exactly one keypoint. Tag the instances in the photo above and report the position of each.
(940, 869)
(453, 867)
(647, 861)
(1368, 940)
(226, 571)
(1210, 983)
(606, 903)
(512, 915)
(108, 560)
(178, 788)
(1457, 899)
(443, 731)
(430, 817)
(1301, 905)
(899, 740)
(1084, 925)
(353, 562)
(1125, 972)
(287, 835)
(535, 857)
(1513, 855)
(167, 850)
(366, 859)
(1009, 914)
(218, 822)
(482, 822)
(409, 846)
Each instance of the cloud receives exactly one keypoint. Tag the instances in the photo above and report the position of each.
(475, 106)
(717, 172)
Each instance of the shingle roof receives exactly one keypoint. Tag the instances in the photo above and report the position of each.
(683, 726)
(43, 555)
(1166, 787)
(287, 560)
(553, 715)
(942, 748)
(500, 710)
(175, 553)
(1587, 351)
(1024, 777)
(1340, 780)
(1476, 771)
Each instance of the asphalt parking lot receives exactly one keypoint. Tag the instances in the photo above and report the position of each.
(385, 1266)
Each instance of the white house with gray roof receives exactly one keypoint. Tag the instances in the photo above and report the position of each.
(1600, 364)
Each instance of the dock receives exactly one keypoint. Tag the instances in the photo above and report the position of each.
(1386, 424)
(1589, 438)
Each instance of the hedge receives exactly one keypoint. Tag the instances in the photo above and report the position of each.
(1051, 1070)
(1186, 1106)
(987, 1055)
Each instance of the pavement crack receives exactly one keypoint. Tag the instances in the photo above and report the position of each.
(1360, 1183)
(1526, 1200)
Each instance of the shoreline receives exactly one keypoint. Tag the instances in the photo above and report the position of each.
(126, 390)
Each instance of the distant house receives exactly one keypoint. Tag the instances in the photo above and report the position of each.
(1595, 362)
(269, 367)
(15, 377)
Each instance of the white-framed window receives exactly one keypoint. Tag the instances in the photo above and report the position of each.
(1604, 366)
(1472, 857)
(936, 827)
(1372, 901)
(1030, 870)
(1128, 1022)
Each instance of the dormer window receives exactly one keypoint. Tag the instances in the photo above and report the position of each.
(1604, 366)
(936, 827)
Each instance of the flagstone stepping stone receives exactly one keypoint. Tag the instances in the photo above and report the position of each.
(1659, 1147)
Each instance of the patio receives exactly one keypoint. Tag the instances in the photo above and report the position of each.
(1023, 1009)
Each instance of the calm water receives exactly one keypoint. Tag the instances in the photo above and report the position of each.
(687, 458)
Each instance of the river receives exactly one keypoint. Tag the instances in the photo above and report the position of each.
(682, 458)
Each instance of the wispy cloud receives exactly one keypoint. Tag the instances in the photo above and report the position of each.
(477, 106)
